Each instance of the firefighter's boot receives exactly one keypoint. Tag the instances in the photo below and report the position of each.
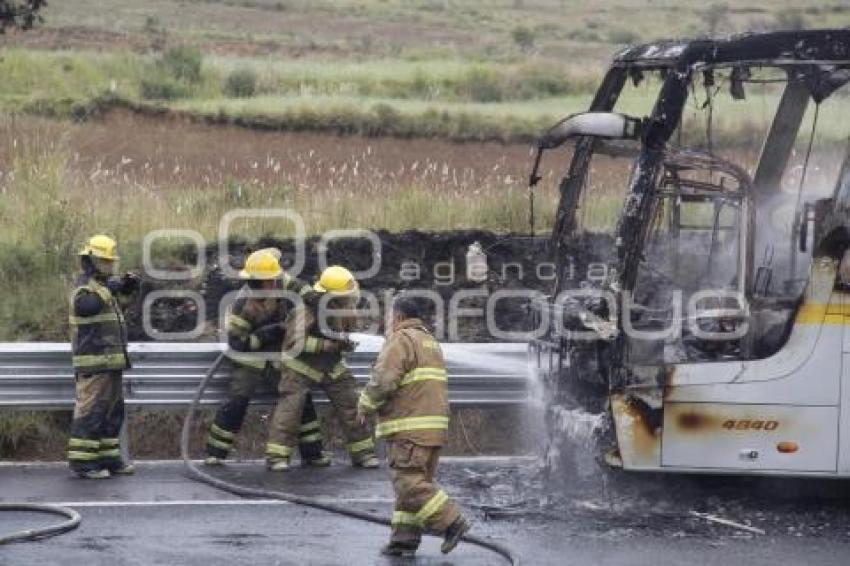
(454, 533)
(321, 461)
(278, 465)
(370, 462)
(400, 549)
(100, 474)
(123, 469)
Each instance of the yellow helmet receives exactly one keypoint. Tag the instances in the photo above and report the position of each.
(262, 264)
(274, 251)
(337, 280)
(102, 247)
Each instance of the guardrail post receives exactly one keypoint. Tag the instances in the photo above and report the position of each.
(124, 442)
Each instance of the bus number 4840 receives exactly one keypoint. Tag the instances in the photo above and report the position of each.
(747, 424)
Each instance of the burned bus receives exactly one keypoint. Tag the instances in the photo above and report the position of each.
(718, 339)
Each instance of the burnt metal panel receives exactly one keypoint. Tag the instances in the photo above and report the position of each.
(779, 142)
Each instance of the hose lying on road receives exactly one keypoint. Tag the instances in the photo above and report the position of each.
(36, 534)
(200, 475)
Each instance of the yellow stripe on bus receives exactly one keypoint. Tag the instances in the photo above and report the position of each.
(823, 313)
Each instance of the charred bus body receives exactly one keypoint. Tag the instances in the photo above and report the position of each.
(719, 337)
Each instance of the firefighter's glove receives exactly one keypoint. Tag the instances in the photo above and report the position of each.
(336, 346)
(131, 282)
(311, 298)
(124, 285)
(270, 333)
(115, 284)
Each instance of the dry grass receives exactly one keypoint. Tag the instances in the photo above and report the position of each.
(57, 190)
(55, 194)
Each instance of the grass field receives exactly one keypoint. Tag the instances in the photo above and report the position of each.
(460, 101)
(473, 70)
(126, 175)
(470, 70)
(563, 30)
(447, 99)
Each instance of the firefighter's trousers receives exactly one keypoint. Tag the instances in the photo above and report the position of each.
(419, 504)
(245, 382)
(294, 390)
(96, 425)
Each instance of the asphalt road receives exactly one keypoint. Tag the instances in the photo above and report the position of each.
(160, 517)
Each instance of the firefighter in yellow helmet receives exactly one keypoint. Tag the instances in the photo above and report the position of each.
(312, 359)
(99, 345)
(254, 336)
(409, 392)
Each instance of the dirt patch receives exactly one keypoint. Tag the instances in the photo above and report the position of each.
(74, 37)
(424, 261)
(472, 432)
(96, 39)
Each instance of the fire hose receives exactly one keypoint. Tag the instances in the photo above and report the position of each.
(72, 522)
(198, 474)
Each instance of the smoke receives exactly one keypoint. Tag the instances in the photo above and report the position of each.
(775, 244)
(572, 450)
(569, 439)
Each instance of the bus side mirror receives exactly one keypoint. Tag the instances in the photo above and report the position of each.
(608, 125)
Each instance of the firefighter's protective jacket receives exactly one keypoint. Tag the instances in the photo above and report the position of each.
(98, 339)
(304, 344)
(408, 388)
(255, 324)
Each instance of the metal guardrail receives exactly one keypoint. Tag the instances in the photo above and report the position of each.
(38, 375)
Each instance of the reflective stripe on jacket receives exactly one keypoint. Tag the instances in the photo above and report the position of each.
(408, 388)
(251, 313)
(99, 341)
(304, 345)
(246, 317)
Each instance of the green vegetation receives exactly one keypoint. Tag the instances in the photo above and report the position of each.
(469, 92)
(478, 69)
(175, 74)
(453, 99)
(791, 18)
(381, 117)
(51, 203)
(523, 37)
(21, 428)
(241, 83)
(565, 32)
(448, 79)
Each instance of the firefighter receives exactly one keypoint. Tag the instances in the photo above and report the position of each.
(99, 345)
(309, 359)
(254, 336)
(409, 393)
